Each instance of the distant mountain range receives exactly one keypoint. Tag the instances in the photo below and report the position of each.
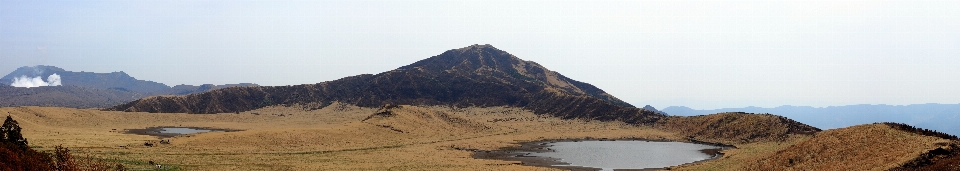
(85, 89)
(940, 117)
(474, 76)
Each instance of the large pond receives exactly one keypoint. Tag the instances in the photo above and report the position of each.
(607, 155)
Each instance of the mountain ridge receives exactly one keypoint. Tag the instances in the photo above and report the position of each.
(114, 80)
(86, 89)
(477, 75)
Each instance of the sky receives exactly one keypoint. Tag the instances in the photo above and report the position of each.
(703, 54)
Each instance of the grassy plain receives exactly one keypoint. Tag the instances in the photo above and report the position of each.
(337, 137)
(346, 137)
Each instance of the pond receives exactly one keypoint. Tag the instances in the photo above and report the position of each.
(607, 155)
(166, 132)
(185, 130)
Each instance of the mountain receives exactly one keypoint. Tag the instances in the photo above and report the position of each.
(114, 80)
(478, 75)
(651, 108)
(64, 96)
(940, 117)
(84, 89)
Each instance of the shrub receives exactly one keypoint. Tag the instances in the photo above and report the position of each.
(15, 155)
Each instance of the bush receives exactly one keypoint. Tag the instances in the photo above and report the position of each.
(15, 155)
(14, 158)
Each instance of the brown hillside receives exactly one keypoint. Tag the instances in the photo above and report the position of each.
(419, 120)
(736, 127)
(945, 158)
(474, 76)
(862, 147)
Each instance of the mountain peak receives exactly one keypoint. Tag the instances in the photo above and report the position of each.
(467, 59)
(33, 71)
(489, 63)
(478, 47)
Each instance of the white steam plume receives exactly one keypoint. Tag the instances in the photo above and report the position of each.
(53, 80)
(24, 81)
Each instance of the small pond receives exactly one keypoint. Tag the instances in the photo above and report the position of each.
(166, 132)
(606, 155)
(185, 130)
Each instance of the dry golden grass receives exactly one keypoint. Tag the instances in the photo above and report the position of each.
(862, 147)
(736, 127)
(345, 137)
(744, 154)
(332, 138)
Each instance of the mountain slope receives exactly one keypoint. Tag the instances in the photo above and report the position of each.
(417, 120)
(478, 75)
(485, 60)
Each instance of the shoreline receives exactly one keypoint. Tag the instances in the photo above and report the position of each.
(522, 153)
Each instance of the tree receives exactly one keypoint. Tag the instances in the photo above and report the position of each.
(10, 133)
(15, 155)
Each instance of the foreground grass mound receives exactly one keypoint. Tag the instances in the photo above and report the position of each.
(861, 147)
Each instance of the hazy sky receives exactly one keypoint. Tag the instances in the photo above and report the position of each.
(702, 54)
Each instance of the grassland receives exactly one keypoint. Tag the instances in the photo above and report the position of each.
(346, 137)
(337, 137)
(861, 147)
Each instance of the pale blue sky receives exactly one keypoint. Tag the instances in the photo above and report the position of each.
(702, 54)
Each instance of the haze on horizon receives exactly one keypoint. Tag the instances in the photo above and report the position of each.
(701, 54)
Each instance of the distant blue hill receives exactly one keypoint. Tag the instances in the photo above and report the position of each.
(86, 89)
(940, 117)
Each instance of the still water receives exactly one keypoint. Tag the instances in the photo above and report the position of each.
(184, 130)
(609, 155)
